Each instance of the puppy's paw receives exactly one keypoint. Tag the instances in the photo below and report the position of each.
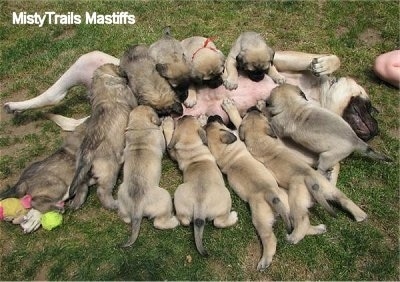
(202, 119)
(279, 79)
(31, 221)
(324, 65)
(168, 124)
(361, 216)
(230, 84)
(293, 238)
(190, 102)
(228, 104)
(263, 264)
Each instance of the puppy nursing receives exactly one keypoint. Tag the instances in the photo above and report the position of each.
(203, 194)
(250, 54)
(252, 181)
(313, 127)
(102, 147)
(301, 181)
(206, 64)
(139, 195)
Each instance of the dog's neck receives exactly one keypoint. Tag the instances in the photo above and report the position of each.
(208, 40)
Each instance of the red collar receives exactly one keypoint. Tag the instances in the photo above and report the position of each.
(208, 40)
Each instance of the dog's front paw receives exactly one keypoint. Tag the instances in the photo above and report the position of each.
(230, 84)
(202, 119)
(228, 104)
(190, 102)
(293, 238)
(31, 221)
(263, 264)
(279, 79)
(324, 65)
(168, 124)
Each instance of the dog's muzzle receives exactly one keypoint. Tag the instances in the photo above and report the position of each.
(256, 75)
(215, 118)
(213, 83)
(358, 114)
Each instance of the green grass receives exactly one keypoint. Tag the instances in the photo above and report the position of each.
(86, 246)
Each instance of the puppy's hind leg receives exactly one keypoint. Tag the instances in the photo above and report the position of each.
(333, 193)
(263, 220)
(106, 172)
(299, 202)
(159, 205)
(226, 220)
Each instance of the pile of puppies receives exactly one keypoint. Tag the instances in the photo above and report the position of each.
(128, 128)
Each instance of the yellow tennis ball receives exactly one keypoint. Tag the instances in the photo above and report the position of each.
(51, 220)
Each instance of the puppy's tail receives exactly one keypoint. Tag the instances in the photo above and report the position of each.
(275, 201)
(10, 192)
(314, 187)
(135, 223)
(167, 31)
(198, 225)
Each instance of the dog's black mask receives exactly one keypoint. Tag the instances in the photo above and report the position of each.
(215, 118)
(256, 75)
(213, 83)
(176, 110)
(253, 109)
(358, 114)
(181, 90)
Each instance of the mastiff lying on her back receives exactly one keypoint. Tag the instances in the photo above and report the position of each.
(311, 72)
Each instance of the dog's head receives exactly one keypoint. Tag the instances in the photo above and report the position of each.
(283, 97)
(177, 73)
(188, 131)
(207, 67)
(219, 137)
(143, 117)
(348, 99)
(254, 122)
(255, 62)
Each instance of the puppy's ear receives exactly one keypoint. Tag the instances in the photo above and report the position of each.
(241, 133)
(155, 120)
(162, 69)
(227, 137)
(270, 132)
(203, 135)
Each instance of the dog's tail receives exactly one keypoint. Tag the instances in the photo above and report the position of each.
(368, 151)
(314, 187)
(94, 135)
(135, 223)
(198, 226)
(10, 192)
(277, 204)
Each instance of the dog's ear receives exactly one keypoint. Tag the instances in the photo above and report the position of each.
(241, 133)
(270, 132)
(227, 137)
(203, 135)
(155, 120)
(162, 69)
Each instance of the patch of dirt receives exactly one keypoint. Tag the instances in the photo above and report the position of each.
(341, 30)
(370, 37)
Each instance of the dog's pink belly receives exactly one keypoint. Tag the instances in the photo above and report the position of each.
(245, 96)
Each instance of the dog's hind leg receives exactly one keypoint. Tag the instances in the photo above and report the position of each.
(263, 220)
(106, 173)
(159, 205)
(81, 72)
(226, 220)
(299, 202)
(80, 197)
(334, 194)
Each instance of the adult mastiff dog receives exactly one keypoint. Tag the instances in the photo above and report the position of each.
(311, 72)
